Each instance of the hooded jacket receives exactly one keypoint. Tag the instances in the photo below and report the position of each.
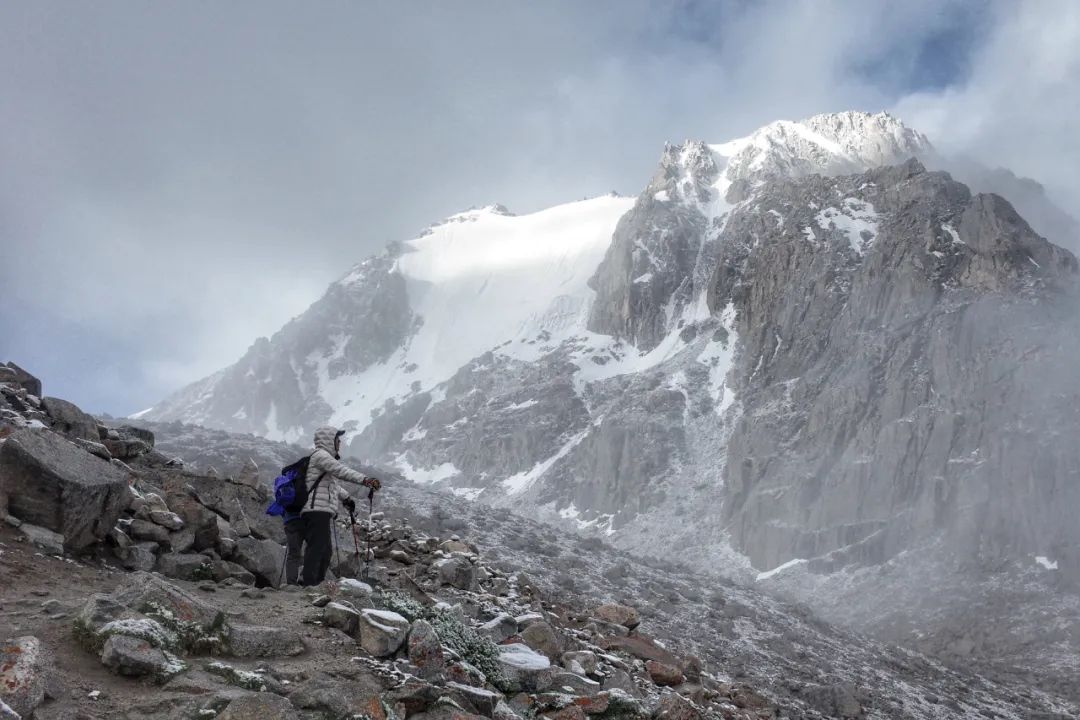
(324, 460)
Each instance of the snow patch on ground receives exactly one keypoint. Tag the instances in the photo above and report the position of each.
(426, 476)
(953, 234)
(779, 569)
(856, 218)
(1046, 562)
(467, 493)
(521, 481)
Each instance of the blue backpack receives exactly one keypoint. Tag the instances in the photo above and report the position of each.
(290, 488)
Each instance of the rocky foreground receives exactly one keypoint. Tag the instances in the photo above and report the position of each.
(138, 586)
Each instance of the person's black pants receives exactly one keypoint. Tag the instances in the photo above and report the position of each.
(295, 530)
(317, 550)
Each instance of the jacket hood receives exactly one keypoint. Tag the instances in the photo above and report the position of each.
(324, 439)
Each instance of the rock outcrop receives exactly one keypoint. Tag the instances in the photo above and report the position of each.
(47, 481)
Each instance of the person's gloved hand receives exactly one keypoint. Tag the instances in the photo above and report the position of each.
(349, 504)
(372, 483)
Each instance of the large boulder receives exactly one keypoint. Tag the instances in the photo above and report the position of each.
(137, 657)
(185, 566)
(458, 572)
(425, 650)
(68, 419)
(26, 669)
(616, 614)
(342, 617)
(263, 558)
(15, 375)
(382, 632)
(663, 674)
(543, 638)
(259, 706)
(47, 481)
(263, 641)
(524, 669)
(499, 627)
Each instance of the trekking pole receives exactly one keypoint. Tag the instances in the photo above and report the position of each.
(284, 561)
(367, 555)
(337, 546)
(352, 524)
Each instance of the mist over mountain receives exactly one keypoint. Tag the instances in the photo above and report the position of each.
(799, 358)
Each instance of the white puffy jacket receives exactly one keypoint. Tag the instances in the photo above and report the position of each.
(325, 463)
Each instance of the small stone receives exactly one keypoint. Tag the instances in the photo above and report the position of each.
(166, 519)
(664, 675)
(49, 541)
(585, 659)
(321, 601)
(623, 615)
(401, 556)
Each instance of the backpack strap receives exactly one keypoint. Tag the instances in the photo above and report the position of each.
(314, 487)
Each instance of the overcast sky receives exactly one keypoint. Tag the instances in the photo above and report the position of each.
(179, 178)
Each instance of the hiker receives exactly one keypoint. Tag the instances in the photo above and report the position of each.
(295, 529)
(324, 469)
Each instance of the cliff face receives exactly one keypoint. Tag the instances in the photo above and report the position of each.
(895, 336)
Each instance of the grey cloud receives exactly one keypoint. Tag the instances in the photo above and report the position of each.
(188, 177)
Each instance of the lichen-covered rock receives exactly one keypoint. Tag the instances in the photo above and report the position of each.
(127, 655)
(382, 633)
(425, 650)
(48, 481)
(26, 667)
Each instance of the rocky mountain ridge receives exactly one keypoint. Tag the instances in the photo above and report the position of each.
(799, 356)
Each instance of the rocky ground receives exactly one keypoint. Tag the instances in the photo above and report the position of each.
(138, 586)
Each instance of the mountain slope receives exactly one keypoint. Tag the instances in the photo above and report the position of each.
(797, 352)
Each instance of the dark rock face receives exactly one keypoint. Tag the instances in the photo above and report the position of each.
(68, 419)
(873, 411)
(50, 482)
(264, 385)
(635, 300)
(15, 375)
